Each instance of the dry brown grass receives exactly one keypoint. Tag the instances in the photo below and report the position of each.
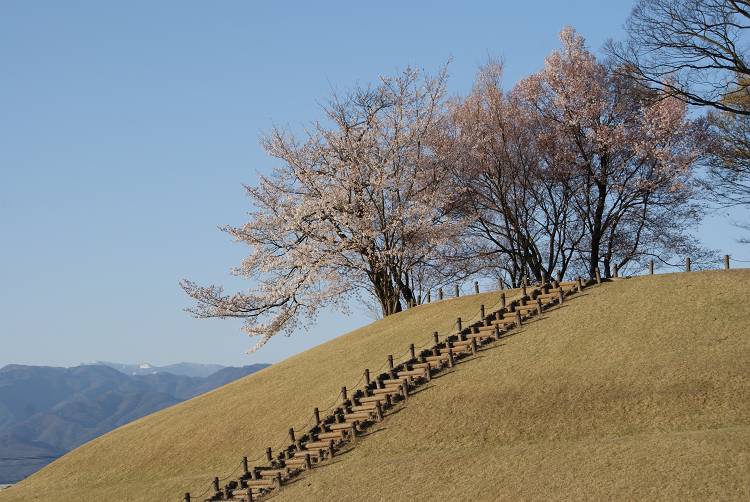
(628, 392)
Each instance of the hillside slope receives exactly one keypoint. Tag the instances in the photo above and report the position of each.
(634, 390)
(180, 449)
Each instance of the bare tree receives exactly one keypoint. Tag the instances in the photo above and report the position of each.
(695, 50)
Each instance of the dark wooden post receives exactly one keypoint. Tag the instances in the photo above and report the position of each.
(428, 296)
(539, 306)
(308, 464)
(497, 332)
(390, 361)
(316, 414)
(367, 376)
(459, 327)
(560, 295)
(476, 287)
(474, 346)
(579, 283)
(726, 262)
(187, 497)
(597, 275)
(269, 454)
(687, 264)
(651, 267)
(245, 470)
(344, 395)
(215, 485)
(615, 270)
(250, 495)
(502, 300)
(451, 362)
(518, 318)
(481, 312)
(436, 337)
(291, 434)
(458, 292)
(411, 351)
(523, 288)
(331, 449)
(379, 411)
(405, 390)
(440, 294)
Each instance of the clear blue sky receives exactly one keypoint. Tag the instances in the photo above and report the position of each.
(127, 129)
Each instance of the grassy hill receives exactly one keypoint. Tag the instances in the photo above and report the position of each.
(638, 389)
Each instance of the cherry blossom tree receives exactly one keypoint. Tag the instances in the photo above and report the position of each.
(360, 205)
(626, 152)
(524, 224)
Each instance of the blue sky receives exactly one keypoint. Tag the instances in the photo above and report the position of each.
(128, 128)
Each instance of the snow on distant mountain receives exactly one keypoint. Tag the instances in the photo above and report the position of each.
(181, 369)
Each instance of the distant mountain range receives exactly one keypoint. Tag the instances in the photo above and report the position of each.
(47, 411)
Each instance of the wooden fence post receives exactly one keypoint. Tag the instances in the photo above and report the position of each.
(187, 497)
(579, 283)
(291, 434)
(458, 292)
(481, 312)
(390, 361)
(269, 454)
(215, 485)
(440, 294)
(518, 318)
(502, 300)
(436, 337)
(539, 306)
(459, 327)
(367, 377)
(411, 352)
(687, 264)
(344, 395)
(316, 414)
(308, 464)
(651, 267)
(405, 390)
(726, 262)
(476, 287)
(523, 288)
(245, 470)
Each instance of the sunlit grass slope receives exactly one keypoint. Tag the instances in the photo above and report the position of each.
(639, 390)
(180, 449)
